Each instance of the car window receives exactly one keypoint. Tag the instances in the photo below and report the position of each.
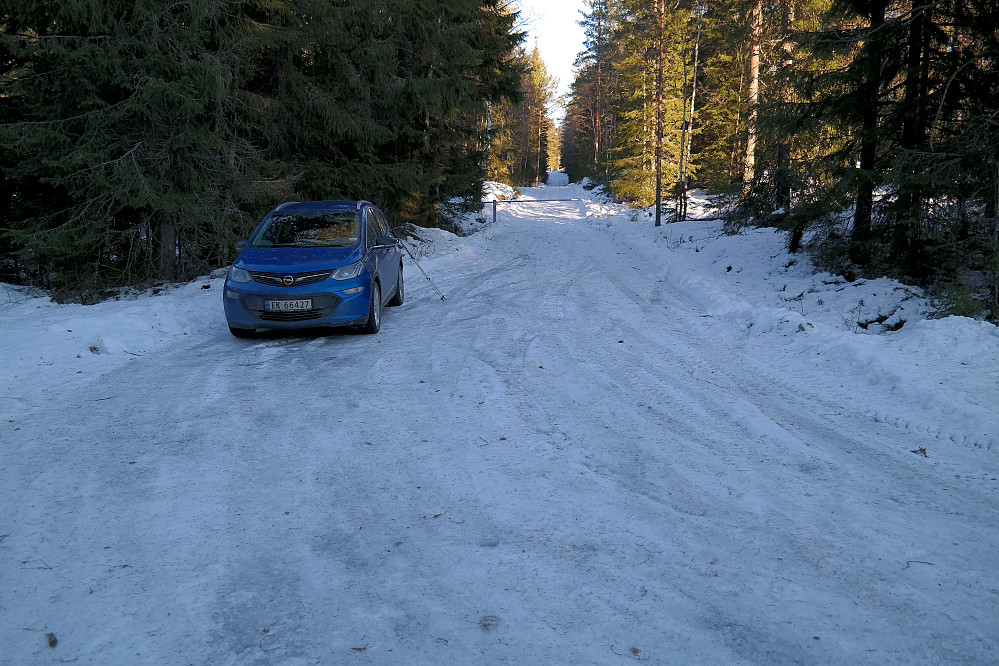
(382, 223)
(308, 228)
(373, 231)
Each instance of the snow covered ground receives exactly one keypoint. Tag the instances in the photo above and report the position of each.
(611, 443)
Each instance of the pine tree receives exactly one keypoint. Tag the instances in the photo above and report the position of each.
(125, 161)
(653, 129)
(792, 128)
(889, 102)
(141, 139)
(577, 133)
(533, 122)
(647, 105)
(390, 103)
(718, 146)
(942, 110)
(753, 90)
(596, 82)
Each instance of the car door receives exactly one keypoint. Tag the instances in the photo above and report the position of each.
(390, 260)
(378, 254)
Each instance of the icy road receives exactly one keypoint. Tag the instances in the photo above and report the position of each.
(610, 444)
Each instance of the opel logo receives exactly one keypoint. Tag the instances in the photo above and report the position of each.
(288, 280)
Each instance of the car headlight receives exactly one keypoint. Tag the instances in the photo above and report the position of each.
(347, 272)
(237, 274)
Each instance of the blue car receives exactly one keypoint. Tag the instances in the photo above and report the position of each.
(316, 263)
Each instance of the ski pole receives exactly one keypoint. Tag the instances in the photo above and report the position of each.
(406, 248)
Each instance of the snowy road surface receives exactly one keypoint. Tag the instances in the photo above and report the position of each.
(605, 446)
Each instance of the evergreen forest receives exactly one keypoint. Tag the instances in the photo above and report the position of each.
(140, 140)
(868, 129)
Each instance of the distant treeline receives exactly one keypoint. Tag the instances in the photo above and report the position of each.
(140, 139)
(867, 128)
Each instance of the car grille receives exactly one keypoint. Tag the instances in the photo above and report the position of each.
(322, 306)
(293, 279)
(302, 315)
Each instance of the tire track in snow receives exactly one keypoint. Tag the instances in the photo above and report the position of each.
(783, 421)
(434, 492)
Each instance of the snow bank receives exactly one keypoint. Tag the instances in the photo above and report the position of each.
(493, 191)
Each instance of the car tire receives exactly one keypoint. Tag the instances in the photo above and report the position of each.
(400, 295)
(374, 321)
(243, 332)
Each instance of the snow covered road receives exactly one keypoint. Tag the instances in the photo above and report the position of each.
(595, 451)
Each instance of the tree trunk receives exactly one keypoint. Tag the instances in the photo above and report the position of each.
(689, 126)
(911, 201)
(755, 37)
(681, 197)
(489, 136)
(734, 161)
(537, 170)
(870, 89)
(598, 115)
(597, 129)
(994, 205)
(782, 186)
(167, 242)
(661, 11)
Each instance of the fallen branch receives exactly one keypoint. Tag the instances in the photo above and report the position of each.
(44, 567)
(908, 562)
(261, 644)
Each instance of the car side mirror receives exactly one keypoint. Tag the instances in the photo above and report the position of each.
(386, 240)
(240, 245)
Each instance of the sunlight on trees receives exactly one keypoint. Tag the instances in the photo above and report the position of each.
(867, 129)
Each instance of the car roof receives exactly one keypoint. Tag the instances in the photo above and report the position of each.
(323, 205)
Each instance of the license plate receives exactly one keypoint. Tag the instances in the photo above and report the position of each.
(288, 306)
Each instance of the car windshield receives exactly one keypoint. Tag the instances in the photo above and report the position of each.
(309, 228)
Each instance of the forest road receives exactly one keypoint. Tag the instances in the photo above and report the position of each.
(564, 462)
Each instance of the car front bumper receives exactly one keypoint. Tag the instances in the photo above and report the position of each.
(244, 304)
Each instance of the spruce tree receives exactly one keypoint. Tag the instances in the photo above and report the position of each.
(893, 104)
(596, 85)
(124, 160)
(141, 139)
(533, 124)
(638, 113)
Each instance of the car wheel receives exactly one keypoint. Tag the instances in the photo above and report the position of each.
(243, 332)
(400, 294)
(374, 321)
